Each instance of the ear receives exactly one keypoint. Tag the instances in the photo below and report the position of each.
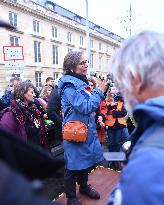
(137, 85)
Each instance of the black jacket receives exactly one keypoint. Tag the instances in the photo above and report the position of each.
(54, 112)
(16, 190)
(20, 165)
(28, 159)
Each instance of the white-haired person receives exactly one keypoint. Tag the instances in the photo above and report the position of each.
(138, 69)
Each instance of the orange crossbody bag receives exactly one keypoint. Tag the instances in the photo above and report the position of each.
(75, 131)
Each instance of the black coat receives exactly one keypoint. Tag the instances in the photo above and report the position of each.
(54, 112)
(28, 159)
(16, 190)
(20, 165)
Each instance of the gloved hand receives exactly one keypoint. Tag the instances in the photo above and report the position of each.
(126, 146)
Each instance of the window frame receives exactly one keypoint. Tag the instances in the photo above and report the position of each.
(37, 52)
(14, 40)
(13, 18)
(38, 79)
(91, 43)
(91, 60)
(55, 54)
(81, 40)
(36, 26)
(69, 37)
(54, 32)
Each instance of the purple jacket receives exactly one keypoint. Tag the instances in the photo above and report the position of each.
(11, 124)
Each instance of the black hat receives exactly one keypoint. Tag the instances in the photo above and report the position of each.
(117, 97)
(5, 24)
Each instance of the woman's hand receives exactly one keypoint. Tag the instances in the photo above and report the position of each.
(100, 121)
(103, 85)
(45, 116)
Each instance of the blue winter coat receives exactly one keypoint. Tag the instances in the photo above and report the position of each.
(142, 180)
(78, 105)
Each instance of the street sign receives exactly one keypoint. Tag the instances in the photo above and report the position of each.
(14, 64)
(13, 53)
(14, 71)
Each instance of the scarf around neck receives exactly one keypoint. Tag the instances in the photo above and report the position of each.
(29, 113)
(83, 78)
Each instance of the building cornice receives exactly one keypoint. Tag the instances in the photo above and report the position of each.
(38, 36)
(107, 40)
(52, 16)
(70, 44)
(56, 41)
(16, 30)
(35, 9)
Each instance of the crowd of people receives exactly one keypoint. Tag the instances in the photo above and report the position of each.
(37, 118)
(87, 112)
(25, 112)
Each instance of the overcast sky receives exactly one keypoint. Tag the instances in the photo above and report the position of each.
(113, 14)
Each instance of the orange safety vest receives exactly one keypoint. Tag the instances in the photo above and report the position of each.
(110, 120)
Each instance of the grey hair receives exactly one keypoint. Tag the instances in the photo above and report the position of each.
(71, 61)
(142, 54)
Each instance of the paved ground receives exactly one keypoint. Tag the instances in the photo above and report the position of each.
(104, 185)
(53, 186)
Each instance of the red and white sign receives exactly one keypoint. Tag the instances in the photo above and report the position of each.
(13, 53)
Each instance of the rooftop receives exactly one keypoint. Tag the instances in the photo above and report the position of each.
(75, 17)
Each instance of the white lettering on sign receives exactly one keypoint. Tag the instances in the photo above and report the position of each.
(14, 71)
(13, 53)
(14, 64)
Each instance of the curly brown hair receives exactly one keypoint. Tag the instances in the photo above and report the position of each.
(21, 89)
(44, 90)
(93, 80)
(71, 60)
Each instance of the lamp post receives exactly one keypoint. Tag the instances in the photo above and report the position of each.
(87, 38)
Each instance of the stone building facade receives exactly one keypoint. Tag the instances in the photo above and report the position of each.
(46, 32)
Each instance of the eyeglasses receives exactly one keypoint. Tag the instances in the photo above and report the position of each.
(83, 62)
(91, 85)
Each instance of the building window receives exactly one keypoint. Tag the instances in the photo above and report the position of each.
(91, 60)
(69, 50)
(37, 51)
(100, 46)
(56, 75)
(36, 26)
(100, 62)
(38, 80)
(13, 18)
(107, 61)
(91, 43)
(55, 54)
(81, 40)
(14, 40)
(54, 32)
(69, 37)
(77, 19)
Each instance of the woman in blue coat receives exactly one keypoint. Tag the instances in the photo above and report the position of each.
(78, 104)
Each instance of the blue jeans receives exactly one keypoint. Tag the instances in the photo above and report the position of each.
(116, 137)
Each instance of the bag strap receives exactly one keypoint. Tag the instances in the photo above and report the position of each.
(156, 139)
(68, 85)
